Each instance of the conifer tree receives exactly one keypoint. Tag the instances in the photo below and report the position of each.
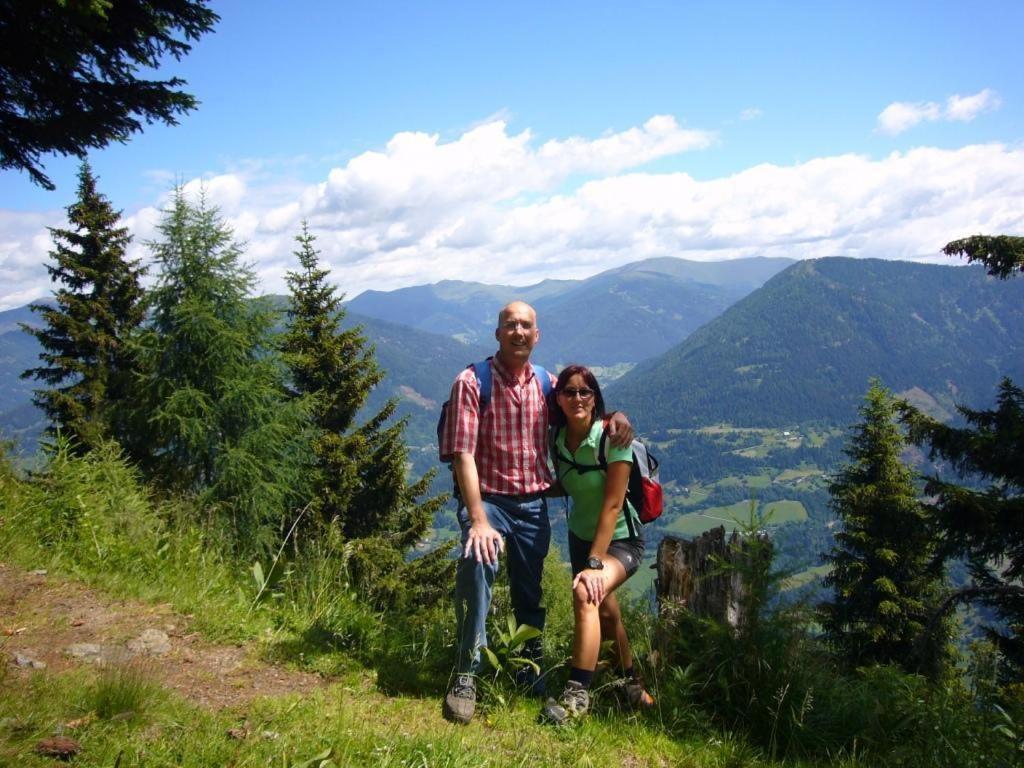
(213, 392)
(87, 363)
(985, 526)
(882, 559)
(1002, 255)
(359, 469)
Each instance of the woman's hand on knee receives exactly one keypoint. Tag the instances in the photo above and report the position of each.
(593, 584)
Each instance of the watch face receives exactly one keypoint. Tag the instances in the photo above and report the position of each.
(596, 563)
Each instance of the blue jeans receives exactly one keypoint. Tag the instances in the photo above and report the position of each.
(524, 525)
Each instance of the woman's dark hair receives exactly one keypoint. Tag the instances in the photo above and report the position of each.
(557, 417)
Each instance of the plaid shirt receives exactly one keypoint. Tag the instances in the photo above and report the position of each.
(510, 442)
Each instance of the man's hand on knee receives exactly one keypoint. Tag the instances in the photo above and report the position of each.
(484, 543)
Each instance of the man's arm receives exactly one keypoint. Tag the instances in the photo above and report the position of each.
(483, 541)
(620, 431)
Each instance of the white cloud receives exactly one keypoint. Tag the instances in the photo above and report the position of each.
(751, 113)
(966, 108)
(503, 207)
(903, 115)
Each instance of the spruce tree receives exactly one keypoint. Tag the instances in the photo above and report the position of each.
(73, 75)
(1002, 255)
(983, 525)
(882, 561)
(359, 469)
(87, 362)
(220, 424)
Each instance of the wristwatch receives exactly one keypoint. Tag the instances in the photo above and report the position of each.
(596, 563)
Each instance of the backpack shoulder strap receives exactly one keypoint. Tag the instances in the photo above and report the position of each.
(543, 377)
(482, 371)
(602, 449)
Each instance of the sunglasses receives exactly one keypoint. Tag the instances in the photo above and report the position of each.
(583, 393)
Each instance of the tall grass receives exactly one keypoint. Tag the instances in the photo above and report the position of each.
(122, 691)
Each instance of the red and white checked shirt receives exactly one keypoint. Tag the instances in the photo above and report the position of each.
(510, 445)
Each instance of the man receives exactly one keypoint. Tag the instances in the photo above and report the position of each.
(501, 471)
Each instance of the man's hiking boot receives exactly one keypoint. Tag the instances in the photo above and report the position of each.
(527, 679)
(460, 701)
(575, 702)
(530, 683)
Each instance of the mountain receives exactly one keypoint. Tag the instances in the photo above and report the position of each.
(420, 367)
(623, 315)
(19, 418)
(802, 347)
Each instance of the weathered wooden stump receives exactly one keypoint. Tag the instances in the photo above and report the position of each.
(699, 575)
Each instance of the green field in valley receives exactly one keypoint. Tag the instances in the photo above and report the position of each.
(734, 515)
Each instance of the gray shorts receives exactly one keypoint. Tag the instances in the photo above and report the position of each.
(629, 552)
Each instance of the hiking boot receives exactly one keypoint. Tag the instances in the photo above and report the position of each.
(527, 679)
(529, 682)
(636, 696)
(460, 701)
(631, 694)
(575, 702)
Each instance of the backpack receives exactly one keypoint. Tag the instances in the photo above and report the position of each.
(482, 372)
(643, 491)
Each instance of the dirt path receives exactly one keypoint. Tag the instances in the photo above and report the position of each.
(42, 618)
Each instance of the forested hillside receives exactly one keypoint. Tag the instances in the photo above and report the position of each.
(803, 347)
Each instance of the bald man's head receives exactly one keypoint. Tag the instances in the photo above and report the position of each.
(517, 333)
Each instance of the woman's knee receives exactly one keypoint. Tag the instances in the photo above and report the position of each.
(581, 600)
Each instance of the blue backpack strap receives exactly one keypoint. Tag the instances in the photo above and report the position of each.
(543, 377)
(482, 371)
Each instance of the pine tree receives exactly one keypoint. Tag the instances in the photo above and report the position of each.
(882, 559)
(220, 423)
(87, 358)
(359, 469)
(1002, 255)
(72, 74)
(984, 526)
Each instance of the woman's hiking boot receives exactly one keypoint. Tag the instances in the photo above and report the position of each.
(575, 702)
(631, 694)
(460, 701)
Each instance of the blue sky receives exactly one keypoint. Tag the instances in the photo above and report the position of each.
(508, 143)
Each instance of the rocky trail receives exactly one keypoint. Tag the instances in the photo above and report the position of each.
(51, 623)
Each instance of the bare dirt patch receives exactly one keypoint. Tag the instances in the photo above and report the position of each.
(42, 616)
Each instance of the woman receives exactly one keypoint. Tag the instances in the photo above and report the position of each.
(605, 543)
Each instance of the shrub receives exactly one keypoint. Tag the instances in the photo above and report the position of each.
(774, 680)
(92, 511)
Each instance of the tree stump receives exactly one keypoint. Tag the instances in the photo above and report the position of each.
(696, 575)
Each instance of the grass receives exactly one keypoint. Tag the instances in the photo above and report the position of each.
(351, 728)
(798, 473)
(698, 495)
(121, 690)
(387, 715)
(735, 515)
(804, 578)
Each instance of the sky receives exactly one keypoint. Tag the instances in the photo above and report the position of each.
(514, 142)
